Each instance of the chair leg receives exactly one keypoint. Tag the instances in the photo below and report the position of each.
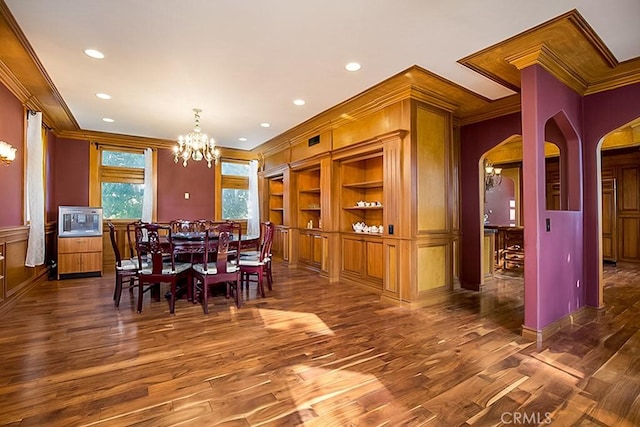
(269, 276)
(205, 297)
(260, 284)
(239, 294)
(140, 294)
(118, 290)
(172, 300)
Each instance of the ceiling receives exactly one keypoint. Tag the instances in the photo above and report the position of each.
(244, 62)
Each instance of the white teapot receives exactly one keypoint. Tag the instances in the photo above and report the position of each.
(358, 227)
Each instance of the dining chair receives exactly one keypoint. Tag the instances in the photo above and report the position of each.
(154, 242)
(255, 254)
(222, 270)
(260, 265)
(126, 269)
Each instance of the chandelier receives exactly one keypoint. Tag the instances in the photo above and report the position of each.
(196, 145)
(492, 175)
(7, 153)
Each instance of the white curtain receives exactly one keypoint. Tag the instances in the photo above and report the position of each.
(253, 225)
(35, 190)
(147, 197)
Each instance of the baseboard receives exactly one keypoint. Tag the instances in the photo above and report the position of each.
(554, 327)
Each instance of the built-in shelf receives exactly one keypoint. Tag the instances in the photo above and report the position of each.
(363, 185)
(309, 193)
(310, 190)
(364, 208)
(362, 182)
(276, 199)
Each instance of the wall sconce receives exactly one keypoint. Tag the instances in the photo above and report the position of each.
(7, 153)
(492, 175)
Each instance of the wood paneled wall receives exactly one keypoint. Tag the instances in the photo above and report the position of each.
(16, 277)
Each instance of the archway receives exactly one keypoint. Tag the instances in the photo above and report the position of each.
(618, 169)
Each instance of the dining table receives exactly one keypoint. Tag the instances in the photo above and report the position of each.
(193, 242)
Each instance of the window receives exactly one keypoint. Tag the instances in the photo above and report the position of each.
(235, 189)
(121, 183)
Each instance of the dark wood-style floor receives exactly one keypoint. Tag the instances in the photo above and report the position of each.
(315, 353)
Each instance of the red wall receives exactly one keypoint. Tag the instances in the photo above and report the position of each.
(50, 173)
(12, 131)
(476, 139)
(71, 181)
(174, 180)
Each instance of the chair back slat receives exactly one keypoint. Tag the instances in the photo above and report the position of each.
(154, 241)
(267, 242)
(114, 243)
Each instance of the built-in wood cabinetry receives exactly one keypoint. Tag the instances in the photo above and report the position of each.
(276, 199)
(360, 173)
(313, 247)
(79, 255)
(361, 192)
(309, 212)
(392, 169)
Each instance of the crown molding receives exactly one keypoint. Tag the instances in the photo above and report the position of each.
(550, 61)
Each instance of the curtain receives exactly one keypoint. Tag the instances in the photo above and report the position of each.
(35, 190)
(147, 197)
(253, 208)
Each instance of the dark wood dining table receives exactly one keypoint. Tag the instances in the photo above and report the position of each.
(193, 242)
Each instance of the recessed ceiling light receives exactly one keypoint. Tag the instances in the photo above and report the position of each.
(94, 53)
(265, 124)
(103, 96)
(243, 139)
(352, 66)
(108, 120)
(299, 101)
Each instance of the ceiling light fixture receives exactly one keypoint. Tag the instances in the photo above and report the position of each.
(265, 124)
(7, 153)
(242, 139)
(299, 102)
(196, 145)
(108, 120)
(352, 66)
(94, 53)
(103, 96)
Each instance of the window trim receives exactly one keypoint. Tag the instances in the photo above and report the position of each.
(99, 174)
(235, 182)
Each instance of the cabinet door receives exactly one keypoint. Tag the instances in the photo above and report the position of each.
(306, 248)
(69, 263)
(79, 262)
(317, 250)
(285, 244)
(91, 261)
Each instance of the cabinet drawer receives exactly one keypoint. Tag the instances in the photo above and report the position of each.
(79, 244)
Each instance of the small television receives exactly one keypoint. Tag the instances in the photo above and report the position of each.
(79, 221)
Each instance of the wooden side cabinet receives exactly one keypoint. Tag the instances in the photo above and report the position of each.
(79, 256)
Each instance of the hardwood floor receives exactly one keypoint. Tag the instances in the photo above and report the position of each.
(318, 354)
